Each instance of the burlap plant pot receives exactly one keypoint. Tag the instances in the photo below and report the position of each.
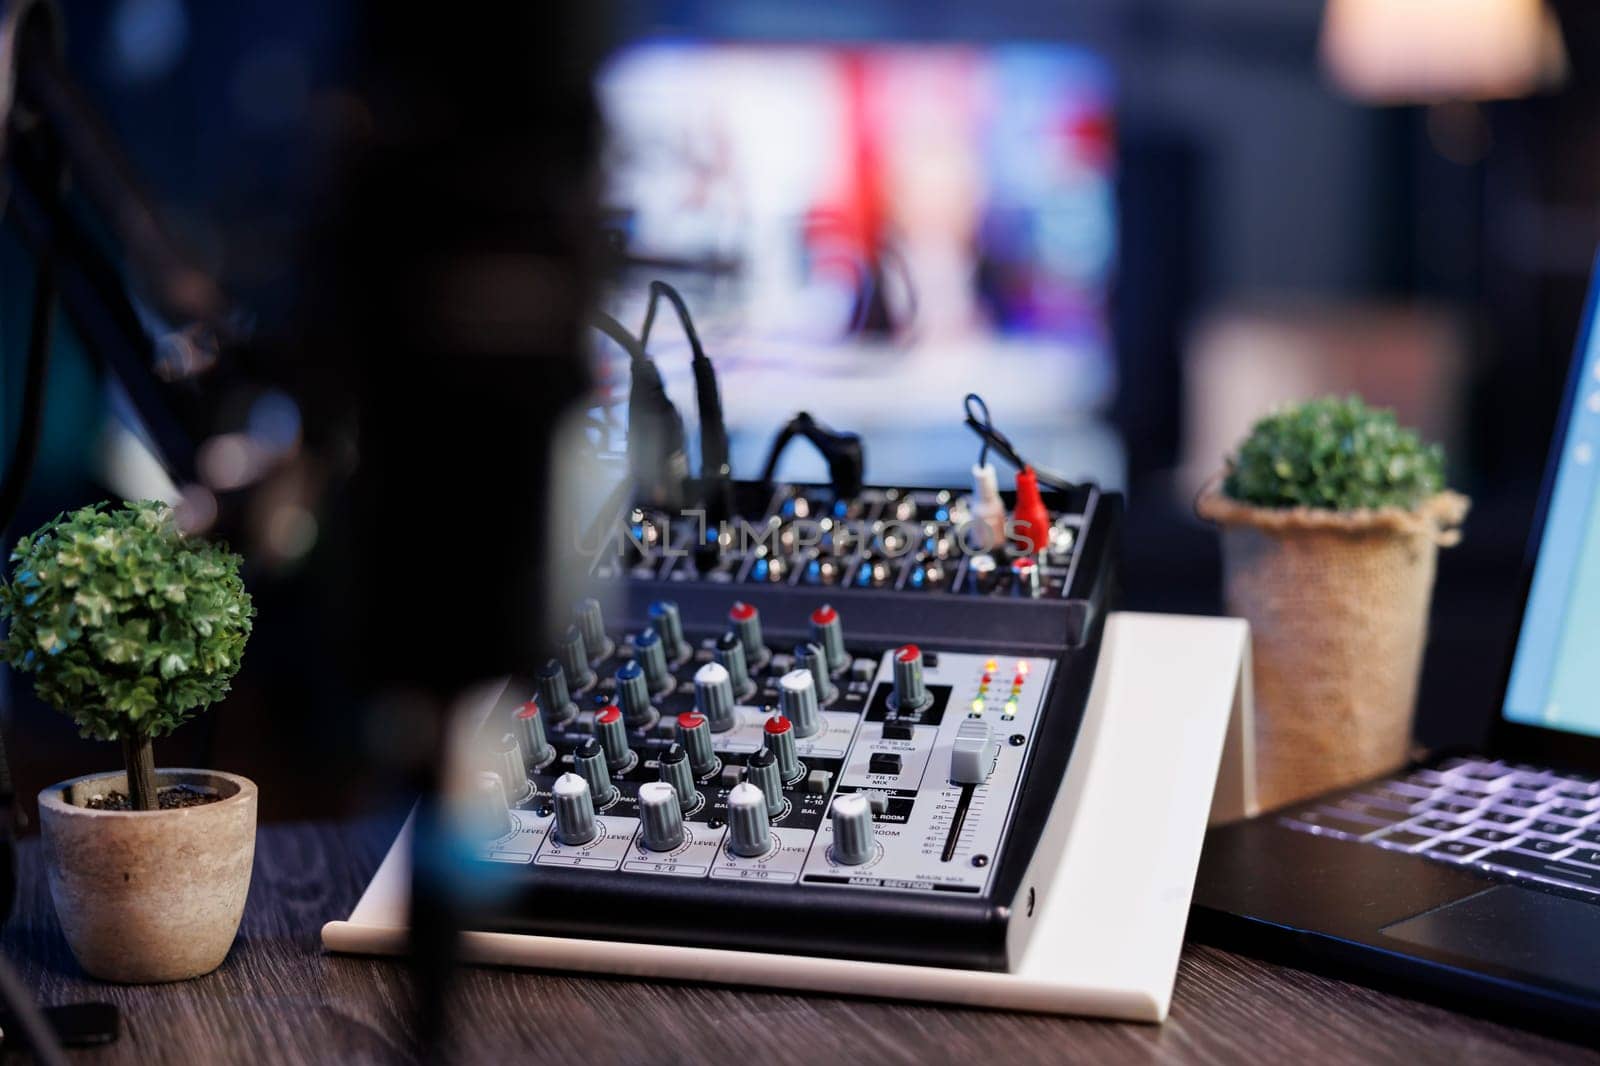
(1338, 609)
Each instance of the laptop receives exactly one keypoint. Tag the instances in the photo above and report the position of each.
(1470, 880)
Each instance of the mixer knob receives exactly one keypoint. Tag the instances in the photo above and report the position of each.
(592, 624)
(1025, 570)
(507, 762)
(852, 829)
(613, 737)
(574, 803)
(694, 730)
(633, 694)
(780, 738)
(713, 696)
(749, 827)
(811, 658)
(574, 654)
(730, 653)
(828, 634)
(555, 702)
(746, 623)
(762, 772)
(490, 818)
(652, 655)
(529, 721)
(674, 769)
(660, 817)
(909, 692)
(665, 619)
(590, 764)
(797, 699)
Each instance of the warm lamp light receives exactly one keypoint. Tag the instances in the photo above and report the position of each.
(1429, 51)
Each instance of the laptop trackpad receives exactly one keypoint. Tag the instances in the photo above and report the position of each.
(1534, 935)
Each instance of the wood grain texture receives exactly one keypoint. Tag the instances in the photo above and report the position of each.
(279, 998)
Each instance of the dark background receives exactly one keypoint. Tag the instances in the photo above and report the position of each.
(1244, 178)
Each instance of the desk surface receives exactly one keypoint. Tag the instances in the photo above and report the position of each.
(279, 998)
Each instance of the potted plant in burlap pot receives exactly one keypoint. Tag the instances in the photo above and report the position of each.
(130, 628)
(1332, 515)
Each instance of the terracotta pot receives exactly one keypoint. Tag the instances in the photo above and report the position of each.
(148, 896)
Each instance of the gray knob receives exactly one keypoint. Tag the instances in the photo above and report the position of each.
(749, 828)
(713, 696)
(811, 657)
(797, 699)
(590, 763)
(909, 692)
(633, 694)
(555, 702)
(660, 818)
(664, 618)
(674, 768)
(746, 623)
(730, 654)
(694, 731)
(613, 737)
(762, 772)
(852, 829)
(529, 721)
(507, 762)
(652, 656)
(828, 634)
(574, 804)
(490, 818)
(780, 738)
(593, 626)
(574, 655)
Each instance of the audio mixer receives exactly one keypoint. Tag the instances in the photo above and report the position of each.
(825, 726)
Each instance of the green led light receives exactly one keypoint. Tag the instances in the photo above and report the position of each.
(977, 704)
(1011, 708)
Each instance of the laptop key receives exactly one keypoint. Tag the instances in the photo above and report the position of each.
(1586, 856)
(1454, 850)
(1537, 846)
(1448, 807)
(1557, 830)
(1590, 837)
(1368, 812)
(1570, 814)
(1435, 825)
(1400, 840)
(1544, 869)
(1501, 818)
(1490, 836)
(1515, 802)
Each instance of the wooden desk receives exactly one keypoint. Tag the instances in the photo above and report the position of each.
(278, 998)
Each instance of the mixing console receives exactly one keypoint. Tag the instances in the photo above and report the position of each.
(830, 727)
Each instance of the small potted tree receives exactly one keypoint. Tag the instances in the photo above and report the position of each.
(1332, 515)
(130, 628)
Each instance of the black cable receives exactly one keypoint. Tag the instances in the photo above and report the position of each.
(655, 429)
(715, 468)
(843, 452)
(979, 421)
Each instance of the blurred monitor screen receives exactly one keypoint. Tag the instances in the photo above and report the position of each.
(920, 195)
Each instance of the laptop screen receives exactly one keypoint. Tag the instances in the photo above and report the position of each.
(1555, 673)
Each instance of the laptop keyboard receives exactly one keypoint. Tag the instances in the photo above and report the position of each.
(1507, 818)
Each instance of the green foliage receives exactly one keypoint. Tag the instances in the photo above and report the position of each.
(129, 626)
(1334, 454)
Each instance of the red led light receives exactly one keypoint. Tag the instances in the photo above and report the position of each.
(778, 724)
(986, 679)
(529, 710)
(607, 715)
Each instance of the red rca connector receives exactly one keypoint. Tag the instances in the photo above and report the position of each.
(1030, 522)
